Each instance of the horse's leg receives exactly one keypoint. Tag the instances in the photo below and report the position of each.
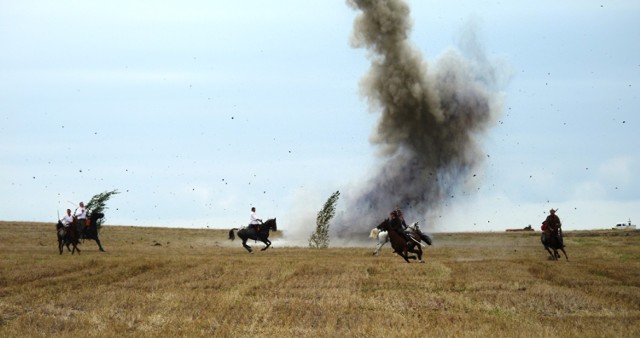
(405, 254)
(267, 242)
(555, 254)
(75, 242)
(416, 248)
(99, 245)
(565, 253)
(381, 243)
(60, 245)
(244, 244)
(67, 242)
(420, 254)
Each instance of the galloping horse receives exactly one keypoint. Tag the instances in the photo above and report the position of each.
(261, 235)
(383, 236)
(399, 245)
(550, 241)
(67, 235)
(91, 231)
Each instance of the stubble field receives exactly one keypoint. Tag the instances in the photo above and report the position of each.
(191, 282)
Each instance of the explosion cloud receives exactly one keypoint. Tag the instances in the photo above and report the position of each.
(431, 118)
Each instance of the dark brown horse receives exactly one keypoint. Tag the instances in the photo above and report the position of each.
(67, 236)
(399, 245)
(261, 235)
(550, 239)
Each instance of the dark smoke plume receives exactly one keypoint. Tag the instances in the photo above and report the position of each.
(431, 118)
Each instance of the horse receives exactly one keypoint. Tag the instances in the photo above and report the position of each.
(90, 231)
(551, 242)
(262, 234)
(67, 235)
(399, 245)
(383, 236)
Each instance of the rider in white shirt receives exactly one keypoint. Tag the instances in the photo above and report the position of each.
(81, 215)
(67, 219)
(254, 221)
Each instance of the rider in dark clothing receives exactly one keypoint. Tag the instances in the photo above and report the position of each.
(555, 226)
(401, 218)
(397, 224)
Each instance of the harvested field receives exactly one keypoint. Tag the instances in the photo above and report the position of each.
(194, 282)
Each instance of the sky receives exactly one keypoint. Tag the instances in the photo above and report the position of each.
(195, 111)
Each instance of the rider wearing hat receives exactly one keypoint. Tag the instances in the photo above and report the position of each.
(397, 223)
(553, 223)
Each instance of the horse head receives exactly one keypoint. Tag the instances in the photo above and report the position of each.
(414, 226)
(271, 224)
(94, 217)
(384, 226)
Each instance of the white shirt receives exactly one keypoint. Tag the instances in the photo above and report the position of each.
(253, 219)
(66, 220)
(81, 213)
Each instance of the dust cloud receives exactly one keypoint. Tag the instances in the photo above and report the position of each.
(432, 118)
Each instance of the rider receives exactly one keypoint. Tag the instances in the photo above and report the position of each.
(81, 215)
(254, 221)
(66, 221)
(396, 223)
(401, 218)
(553, 222)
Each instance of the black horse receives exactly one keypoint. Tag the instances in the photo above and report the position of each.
(552, 244)
(400, 245)
(90, 230)
(261, 235)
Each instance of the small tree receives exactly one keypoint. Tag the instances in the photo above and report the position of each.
(98, 203)
(320, 238)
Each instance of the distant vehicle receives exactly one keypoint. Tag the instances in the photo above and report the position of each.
(625, 226)
(527, 228)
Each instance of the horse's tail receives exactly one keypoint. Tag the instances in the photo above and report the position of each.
(426, 238)
(374, 233)
(232, 236)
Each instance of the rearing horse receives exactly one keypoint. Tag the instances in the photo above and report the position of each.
(261, 235)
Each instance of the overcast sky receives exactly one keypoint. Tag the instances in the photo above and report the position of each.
(197, 110)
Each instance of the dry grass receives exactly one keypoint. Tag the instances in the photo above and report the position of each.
(186, 282)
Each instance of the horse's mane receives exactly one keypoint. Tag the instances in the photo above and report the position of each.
(374, 233)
